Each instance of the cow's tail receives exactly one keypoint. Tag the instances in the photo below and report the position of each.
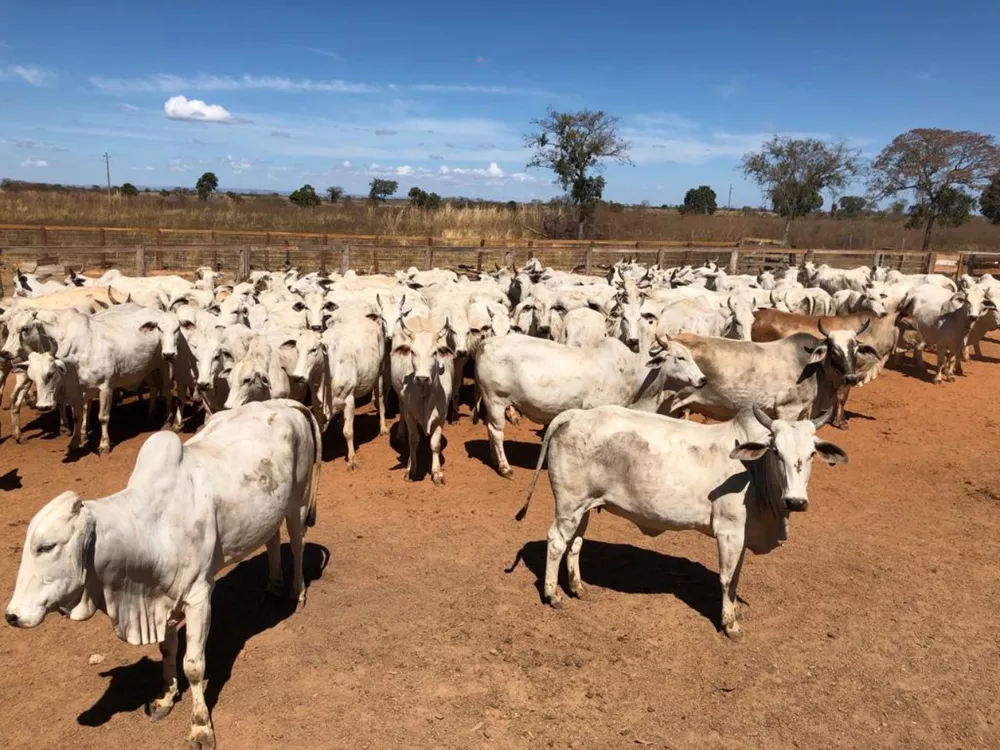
(313, 489)
(554, 426)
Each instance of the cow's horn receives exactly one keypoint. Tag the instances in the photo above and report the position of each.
(822, 329)
(823, 418)
(863, 327)
(762, 417)
(111, 297)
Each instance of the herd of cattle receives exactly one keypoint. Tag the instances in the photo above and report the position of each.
(603, 362)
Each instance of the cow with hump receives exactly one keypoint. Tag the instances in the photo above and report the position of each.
(147, 556)
(737, 481)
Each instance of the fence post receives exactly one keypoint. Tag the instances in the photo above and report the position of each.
(345, 259)
(876, 257)
(375, 258)
(734, 260)
(479, 261)
(322, 260)
(660, 257)
(243, 269)
(588, 259)
(140, 260)
(43, 235)
(429, 257)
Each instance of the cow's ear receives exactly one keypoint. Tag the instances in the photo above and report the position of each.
(149, 325)
(830, 453)
(817, 355)
(748, 452)
(19, 367)
(60, 365)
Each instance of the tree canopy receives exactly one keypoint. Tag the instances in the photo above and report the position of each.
(128, 190)
(381, 189)
(933, 165)
(795, 171)
(207, 184)
(989, 201)
(305, 197)
(851, 205)
(335, 193)
(699, 200)
(576, 146)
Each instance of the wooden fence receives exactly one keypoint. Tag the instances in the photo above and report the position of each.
(156, 250)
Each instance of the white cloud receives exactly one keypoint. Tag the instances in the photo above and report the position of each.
(404, 171)
(345, 164)
(195, 110)
(168, 83)
(29, 74)
(176, 165)
(494, 170)
(34, 163)
(129, 108)
(146, 168)
(523, 177)
(480, 60)
(238, 165)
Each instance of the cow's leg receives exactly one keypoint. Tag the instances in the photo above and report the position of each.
(104, 416)
(154, 397)
(731, 551)
(21, 387)
(198, 616)
(494, 430)
(274, 578)
(413, 441)
(162, 706)
(437, 476)
(513, 415)
(457, 391)
(573, 558)
(840, 403)
(941, 363)
(561, 532)
(383, 426)
(64, 428)
(297, 541)
(349, 431)
(957, 355)
(80, 409)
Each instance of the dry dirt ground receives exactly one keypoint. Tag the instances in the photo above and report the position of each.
(874, 626)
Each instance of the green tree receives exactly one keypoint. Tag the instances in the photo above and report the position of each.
(305, 197)
(699, 200)
(335, 193)
(576, 147)
(934, 165)
(422, 199)
(897, 208)
(207, 184)
(952, 209)
(851, 206)
(989, 201)
(234, 197)
(128, 190)
(381, 189)
(795, 171)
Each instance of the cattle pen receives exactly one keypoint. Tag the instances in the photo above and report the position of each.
(154, 250)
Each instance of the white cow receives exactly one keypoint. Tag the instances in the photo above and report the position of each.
(541, 379)
(147, 556)
(422, 366)
(944, 319)
(736, 481)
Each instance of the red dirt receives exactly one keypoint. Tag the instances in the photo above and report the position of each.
(872, 627)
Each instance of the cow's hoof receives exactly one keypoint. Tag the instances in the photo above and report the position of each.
(507, 473)
(408, 478)
(202, 738)
(515, 419)
(65, 431)
(160, 708)
(579, 591)
(556, 601)
(841, 425)
(438, 479)
(19, 439)
(383, 431)
(734, 632)
(352, 465)
(300, 600)
(104, 450)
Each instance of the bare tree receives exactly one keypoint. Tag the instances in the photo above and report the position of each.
(575, 145)
(795, 171)
(932, 164)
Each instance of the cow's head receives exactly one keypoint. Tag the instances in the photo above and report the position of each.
(793, 445)
(25, 330)
(317, 310)
(310, 355)
(627, 314)
(676, 364)
(426, 349)
(841, 350)
(167, 327)
(58, 551)
(740, 318)
(976, 302)
(248, 381)
(215, 359)
(46, 373)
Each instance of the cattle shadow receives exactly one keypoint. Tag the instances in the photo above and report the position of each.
(398, 442)
(10, 481)
(365, 431)
(851, 415)
(519, 453)
(240, 610)
(129, 419)
(634, 570)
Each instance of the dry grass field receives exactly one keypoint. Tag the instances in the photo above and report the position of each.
(490, 221)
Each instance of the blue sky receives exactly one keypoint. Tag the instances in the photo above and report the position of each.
(270, 96)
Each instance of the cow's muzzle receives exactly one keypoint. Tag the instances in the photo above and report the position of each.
(797, 504)
(170, 356)
(702, 382)
(422, 379)
(5, 354)
(11, 619)
(633, 344)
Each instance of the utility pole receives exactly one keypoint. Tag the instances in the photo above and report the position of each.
(107, 170)
(729, 203)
